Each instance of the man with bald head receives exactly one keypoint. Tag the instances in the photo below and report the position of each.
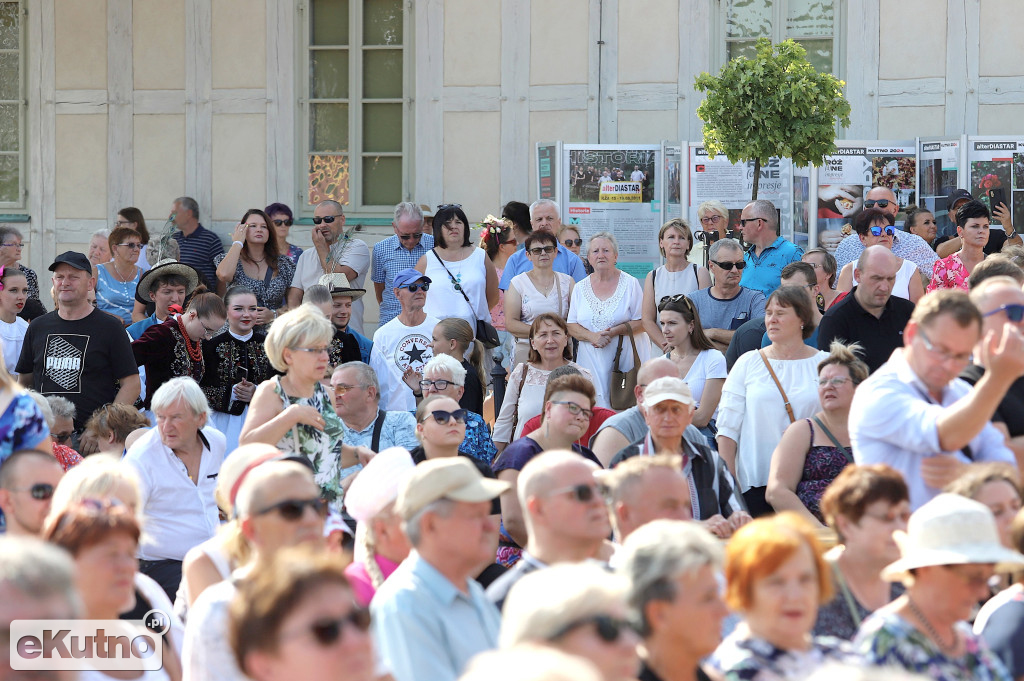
(870, 315)
(333, 252)
(769, 252)
(1001, 302)
(906, 245)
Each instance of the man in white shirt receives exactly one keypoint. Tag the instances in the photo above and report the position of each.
(403, 346)
(334, 250)
(637, 175)
(915, 415)
(177, 463)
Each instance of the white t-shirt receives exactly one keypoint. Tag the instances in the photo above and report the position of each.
(352, 253)
(396, 347)
(12, 336)
(709, 364)
(444, 301)
(637, 176)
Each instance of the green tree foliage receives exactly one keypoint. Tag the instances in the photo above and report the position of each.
(776, 104)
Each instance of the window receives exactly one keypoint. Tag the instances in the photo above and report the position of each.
(12, 105)
(812, 23)
(354, 113)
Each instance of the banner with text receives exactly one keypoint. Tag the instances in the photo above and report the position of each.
(938, 173)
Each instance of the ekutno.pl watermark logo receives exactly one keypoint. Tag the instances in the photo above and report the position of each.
(80, 645)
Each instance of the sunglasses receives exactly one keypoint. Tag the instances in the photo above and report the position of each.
(440, 384)
(411, 237)
(442, 417)
(416, 287)
(583, 493)
(292, 509)
(133, 247)
(542, 249)
(328, 219)
(329, 631)
(62, 437)
(1014, 312)
(282, 223)
(881, 203)
(727, 266)
(574, 408)
(879, 231)
(573, 242)
(445, 206)
(40, 491)
(608, 628)
(679, 297)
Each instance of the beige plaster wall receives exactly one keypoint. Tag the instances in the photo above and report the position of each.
(648, 41)
(912, 39)
(158, 44)
(551, 126)
(80, 44)
(471, 153)
(239, 165)
(908, 122)
(647, 127)
(159, 164)
(1001, 119)
(81, 167)
(239, 46)
(559, 56)
(472, 42)
(1001, 49)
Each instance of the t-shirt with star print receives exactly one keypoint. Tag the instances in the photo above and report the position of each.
(395, 348)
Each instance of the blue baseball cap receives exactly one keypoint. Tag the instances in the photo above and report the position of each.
(409, 276)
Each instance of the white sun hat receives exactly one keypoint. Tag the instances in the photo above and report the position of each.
(951, 530)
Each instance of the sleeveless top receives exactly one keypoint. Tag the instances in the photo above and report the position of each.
(821, 466)
(471, 275)
(116, 297)
(902, 286)
(671, 283)
(535, 303)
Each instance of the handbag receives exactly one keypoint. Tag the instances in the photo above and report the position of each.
(785, 398)
(485, 332)
(622, 394)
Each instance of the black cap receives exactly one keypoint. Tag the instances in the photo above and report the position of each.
(958, 195)
(76, 260)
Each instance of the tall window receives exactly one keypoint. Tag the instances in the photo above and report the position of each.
(354, 111)
(812, 23)
(12, 106)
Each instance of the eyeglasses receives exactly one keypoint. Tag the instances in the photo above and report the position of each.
(974, 580)
(1014, 312)
(62, 437)
(413, 288)
(668, 300)
(282, 223)
(608, 628)
(445, 206)
(878, 231)
(329, 631)
(341, 388)
(727, 266)
(573, 242)
(542, 249)
(442, 417)
(439, 384)
(12, 244)
(327, 218)
(835, 382)
(210, 333)
(815, 265)
(133, 246)
(574, 408)
(292, 509)
(411, 237)
(322, 350)
(890, 518)
(710, 220)
(121, 223)
(583, 493)
(40, 491)
(881, 203)
(743, 222)
(944, 355)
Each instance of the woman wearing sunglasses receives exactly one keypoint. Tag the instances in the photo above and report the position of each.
(972, 221)
(677, 276)
(282, 219)
(254, 262)
(116, 280)
(579, 609)
(535, 292)
(875, 227)
(570, 237)
(298, 619)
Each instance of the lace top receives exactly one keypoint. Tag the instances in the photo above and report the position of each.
(268, 294)
(528, 402)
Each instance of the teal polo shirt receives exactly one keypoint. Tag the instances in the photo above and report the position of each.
(764, 272)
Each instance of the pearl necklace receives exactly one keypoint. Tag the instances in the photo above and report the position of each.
(930, 630)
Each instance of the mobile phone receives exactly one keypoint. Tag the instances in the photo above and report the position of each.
(996, 196)
(242, 373)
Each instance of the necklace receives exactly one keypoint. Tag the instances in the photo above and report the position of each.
(194, 348)
(929, 629)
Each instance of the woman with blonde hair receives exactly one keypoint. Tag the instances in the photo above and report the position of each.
(713, 217)
(454, 337)
(677, 276)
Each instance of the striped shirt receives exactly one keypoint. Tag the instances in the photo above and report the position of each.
(390, 258)
(198, 249)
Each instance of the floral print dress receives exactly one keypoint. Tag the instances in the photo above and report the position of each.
(949, 272)
(22, 426)
(743, 657)
(885, 638)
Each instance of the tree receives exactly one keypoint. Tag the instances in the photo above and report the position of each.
(776, 104)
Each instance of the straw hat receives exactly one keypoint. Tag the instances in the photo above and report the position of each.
(951, 530)
(339, 285)
(163, 267)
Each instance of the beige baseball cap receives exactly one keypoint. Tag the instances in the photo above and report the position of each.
(665, 389)
(454, 478)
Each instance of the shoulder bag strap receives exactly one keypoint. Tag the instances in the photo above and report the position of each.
(851, 604)
(558, 292)
(450, 277)
(515, 415)
(378, 426)
(785, 398)
(845, 450)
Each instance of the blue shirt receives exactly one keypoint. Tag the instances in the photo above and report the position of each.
(425, 628)
(399, 430)
(478, 443)
(365, 344)
(390, 258)
(136, 330)
(566, 262)
(764, 272)
(198, 249)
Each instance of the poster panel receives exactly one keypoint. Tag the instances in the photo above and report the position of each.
(673, 182)
(616, 188)
(938, 174)
(997, 170)
(547, 171)
(846, 176)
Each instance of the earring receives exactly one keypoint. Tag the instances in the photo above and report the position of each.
(801, 327)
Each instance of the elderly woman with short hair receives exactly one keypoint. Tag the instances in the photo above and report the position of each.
(605, 307)
(579, 609)
(713, 217)
(293, 411)
(673, 569)
(10, 253)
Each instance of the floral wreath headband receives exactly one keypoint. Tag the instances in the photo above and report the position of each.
(492, 225)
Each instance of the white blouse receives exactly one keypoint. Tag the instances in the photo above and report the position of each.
(753, 413)
(444, 301)
(529, 401)
(536, 303)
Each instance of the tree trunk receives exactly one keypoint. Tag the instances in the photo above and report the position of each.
(757, 179)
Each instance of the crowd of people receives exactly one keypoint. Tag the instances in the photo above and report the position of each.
(780, 465)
